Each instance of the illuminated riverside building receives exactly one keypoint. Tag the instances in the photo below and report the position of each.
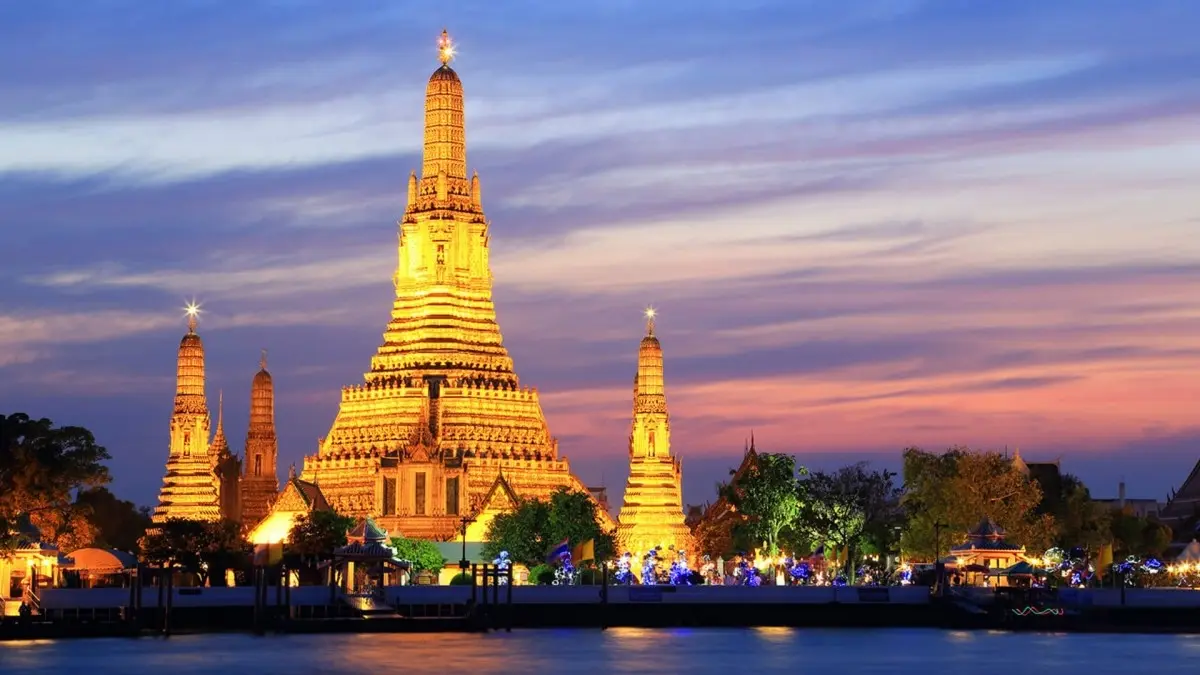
(652, 510)
(441, 429)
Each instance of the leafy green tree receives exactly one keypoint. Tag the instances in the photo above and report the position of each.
(423, 555)
(528, 532)
(839, 509)
(523, 532)
(41, 470)
(767, 495)
(1080, 521)
(314, 537)
(118, 523)
(205, 549)
(959, 488)
(1135, 535)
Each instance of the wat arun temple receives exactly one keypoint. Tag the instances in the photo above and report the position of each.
(441, 435)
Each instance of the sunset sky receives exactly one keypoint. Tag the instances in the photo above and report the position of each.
(866, 225)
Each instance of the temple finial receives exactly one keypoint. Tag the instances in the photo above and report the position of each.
(262, 361)
(292, 471)
(193, 312)
(445, 48)
(220, 408)
(650, 314)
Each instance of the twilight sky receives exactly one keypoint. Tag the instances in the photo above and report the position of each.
(866, 225)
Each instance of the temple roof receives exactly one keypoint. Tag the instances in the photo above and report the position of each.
(444, 73)
(367, 532)
(986, 536)
(311, 493)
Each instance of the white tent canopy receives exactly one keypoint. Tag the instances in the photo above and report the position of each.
(1191, 553)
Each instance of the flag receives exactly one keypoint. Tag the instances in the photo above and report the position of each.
(584, 551)
(559, 552)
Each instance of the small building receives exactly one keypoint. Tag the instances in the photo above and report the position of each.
(32, 565)
(98, 567)
(986, 553)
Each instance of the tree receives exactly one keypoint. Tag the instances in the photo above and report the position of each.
(423, 555)
(1080, 521)
(41, 470)
(314, 537)
(959, 488)
(523, 532)
(839, 509)
(204, 548)
(528, 531)
(1135, 535)
(767, 495)
(118, 523)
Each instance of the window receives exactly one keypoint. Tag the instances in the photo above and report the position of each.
(419, 494)
(452, 496)
(258, 465)
(389, 496)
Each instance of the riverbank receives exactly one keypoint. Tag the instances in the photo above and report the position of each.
(119, 612)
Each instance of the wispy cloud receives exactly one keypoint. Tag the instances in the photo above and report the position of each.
(866, 226)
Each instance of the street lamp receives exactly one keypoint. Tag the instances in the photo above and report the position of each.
(464, 563)
(937, 540)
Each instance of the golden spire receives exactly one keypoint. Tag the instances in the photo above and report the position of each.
(445, 48)
(189, 374)
(651, 395)
(193, 312)
(445, 150)
(220, 446)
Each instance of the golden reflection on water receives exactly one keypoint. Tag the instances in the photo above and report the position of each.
(775, 633)
(18, 644)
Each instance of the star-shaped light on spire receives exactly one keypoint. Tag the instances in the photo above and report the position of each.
(192, 309)
(445, 48)
(650, 314)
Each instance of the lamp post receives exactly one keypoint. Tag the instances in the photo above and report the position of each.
(937, 540)
(938, 568)
(464, 563)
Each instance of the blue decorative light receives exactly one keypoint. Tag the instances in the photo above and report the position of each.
(565, 574)
(679, 574)
(650, 568)
(502, 564)
(624, 575)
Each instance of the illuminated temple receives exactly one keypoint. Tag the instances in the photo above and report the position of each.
(652, 510)
(191, 488)
(441, 428)
(204, 479)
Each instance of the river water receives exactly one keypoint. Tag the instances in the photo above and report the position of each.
(620, 650)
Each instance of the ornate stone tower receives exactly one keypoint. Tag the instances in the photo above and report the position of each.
(652, 509)
(260, 482)
(441, 413)
(228, 468)
(190, 488)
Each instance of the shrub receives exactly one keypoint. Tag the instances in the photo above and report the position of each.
(542, 575)
(461, 579)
